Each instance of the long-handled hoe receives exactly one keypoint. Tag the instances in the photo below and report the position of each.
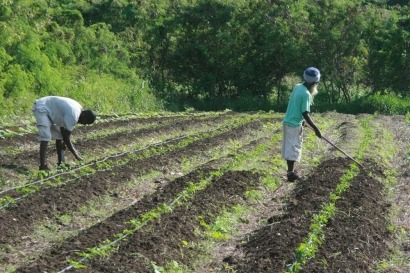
(351, 158)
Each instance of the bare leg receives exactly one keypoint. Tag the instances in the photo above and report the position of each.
(60, 146)
(43, 153)
(292, 176)
(291, 165)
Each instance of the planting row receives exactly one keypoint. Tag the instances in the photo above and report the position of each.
(68, 198)
(18, 168)
(202, 202)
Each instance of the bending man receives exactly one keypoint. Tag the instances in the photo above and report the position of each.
(56, 118)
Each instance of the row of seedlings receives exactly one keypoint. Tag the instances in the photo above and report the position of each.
(154, 213)
(154, 162)
(270, 247)
(222, 235)
(20, 164)
(171, 136)
(358, 194)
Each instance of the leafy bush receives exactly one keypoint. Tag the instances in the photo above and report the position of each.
(384, 104)
(388, 104)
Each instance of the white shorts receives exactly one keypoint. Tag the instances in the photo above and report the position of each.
(46, 129)
(292, 143)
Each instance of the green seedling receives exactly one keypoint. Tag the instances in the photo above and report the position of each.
(76, 265)
(253, 195)
(6, 201)
(182, 197)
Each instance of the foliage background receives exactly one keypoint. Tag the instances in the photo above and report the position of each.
(149, 55)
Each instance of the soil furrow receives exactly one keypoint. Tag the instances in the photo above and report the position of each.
(93, 204)
(161, 241)
(29, 160)
(28, 139)
(67, 176)
(116, 223)
(80, 130)
(272, 203)
(272, 247)
(358, 234)
(17, 221)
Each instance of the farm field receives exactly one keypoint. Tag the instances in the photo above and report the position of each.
(207, 192)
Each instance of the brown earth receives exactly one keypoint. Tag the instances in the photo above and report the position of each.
(26, 161)
(17, 220)
(356, 238)
(357, 235)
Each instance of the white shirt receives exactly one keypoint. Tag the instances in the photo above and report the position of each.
(63, 112)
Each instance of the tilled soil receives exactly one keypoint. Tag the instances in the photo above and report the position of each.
(28, 160)
(358, 234)
(162, 242)
(272, 247)
(82, 130)
(356, 238)
(17, 221)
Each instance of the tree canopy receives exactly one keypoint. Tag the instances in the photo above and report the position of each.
(205, 49)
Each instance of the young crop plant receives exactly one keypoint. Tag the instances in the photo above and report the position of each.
(151, 150)
(181, 199)
(254, 195)
(75, 265)
(6, 201)
(65, 219)
(308, 248)
(8, 133)
(223, 226)
(171, 267)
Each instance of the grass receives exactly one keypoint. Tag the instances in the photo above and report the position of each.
(181, 198)
(385, 153)
(308, 248)
(264, 159)
(100, 208)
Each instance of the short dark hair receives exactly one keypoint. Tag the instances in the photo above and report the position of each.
(87, 117)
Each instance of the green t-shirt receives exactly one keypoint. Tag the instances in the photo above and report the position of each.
(300, 101)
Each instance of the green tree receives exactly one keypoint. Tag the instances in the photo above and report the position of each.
(389, 52)
(269, 45)
(337, 45)
(188, 53)
(214, 49)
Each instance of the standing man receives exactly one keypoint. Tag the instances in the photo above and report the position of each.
(56, 118)
(298, 110)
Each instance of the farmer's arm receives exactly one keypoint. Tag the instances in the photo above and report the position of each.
(311, 124)
(66, 138)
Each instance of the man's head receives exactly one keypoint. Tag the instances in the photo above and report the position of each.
(312, 77)
(87, 117)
